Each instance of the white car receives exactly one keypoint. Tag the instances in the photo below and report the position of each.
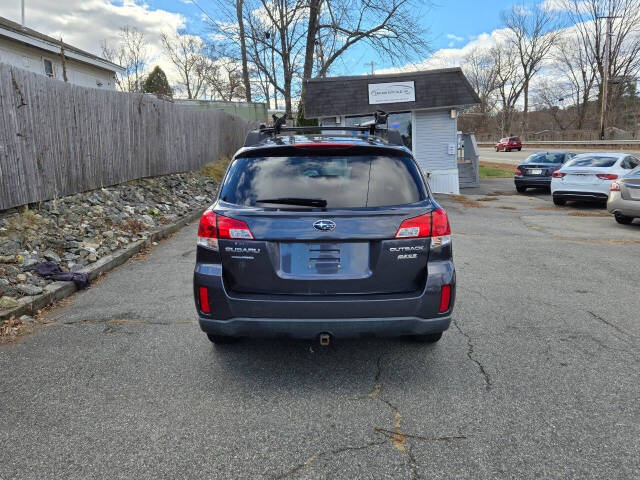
(588, 176)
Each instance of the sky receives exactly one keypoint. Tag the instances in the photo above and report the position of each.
(454, 25)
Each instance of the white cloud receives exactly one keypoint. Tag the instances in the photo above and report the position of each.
(453, 37)
(86, 23)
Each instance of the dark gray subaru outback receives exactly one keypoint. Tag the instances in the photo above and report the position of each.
(321, 236)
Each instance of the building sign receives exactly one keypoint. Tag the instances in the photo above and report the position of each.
(396, 92)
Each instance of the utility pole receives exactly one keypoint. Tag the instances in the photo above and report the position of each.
(372, 63)
(23, 14)
(605, 75)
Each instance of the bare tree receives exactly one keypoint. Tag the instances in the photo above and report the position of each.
(225, 80)
(589, 17)
(130, 52)
(509, 82)
(188, 55)
(574, 62)
(480, 68)
(533, 31)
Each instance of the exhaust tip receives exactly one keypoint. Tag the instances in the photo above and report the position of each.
(324, 339)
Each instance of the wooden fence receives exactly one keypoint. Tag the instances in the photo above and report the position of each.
(57, 139)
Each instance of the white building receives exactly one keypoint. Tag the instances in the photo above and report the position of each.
(25, 48)
(422, 105)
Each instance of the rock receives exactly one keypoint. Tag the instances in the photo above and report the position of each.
(147, 219)
(7, 302)
(52, 256)
(21, 277)
(7, 259)
(27, 319)
(92, 258)
(28, 290)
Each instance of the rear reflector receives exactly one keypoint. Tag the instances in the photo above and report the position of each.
(615, 187)
(558, 174)
(445, 298)
(204, 300)
(607, 176)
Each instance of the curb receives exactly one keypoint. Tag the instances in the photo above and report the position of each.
(58, 290)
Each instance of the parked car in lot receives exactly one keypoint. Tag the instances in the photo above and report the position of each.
(509, 143)
(536, 170)
(624, 197)
(588, 176)
(321, 236)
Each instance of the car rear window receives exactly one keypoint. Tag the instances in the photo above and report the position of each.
(545, 158)
(592, 161)
(343, 181)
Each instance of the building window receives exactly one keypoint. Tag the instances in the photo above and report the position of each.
(399, 121)
(48, 67)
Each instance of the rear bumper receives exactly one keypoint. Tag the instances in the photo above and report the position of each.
(305, 316)
(541, 182)
(581, 196)
(311, 328)
(628, 208)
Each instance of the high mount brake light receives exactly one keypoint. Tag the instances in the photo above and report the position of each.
(323, 145)
(558, 174)
(607, 176)
(213, 227)
(615, 187)
(434, 225)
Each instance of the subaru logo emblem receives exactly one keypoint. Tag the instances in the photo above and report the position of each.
(324, 225)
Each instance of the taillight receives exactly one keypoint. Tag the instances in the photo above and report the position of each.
(434, 225)
(445, 298)
(558, 174)
(416, 227)
(615, 187)
(213, 226)
(518, 172)
(607, 176)
(204, 300)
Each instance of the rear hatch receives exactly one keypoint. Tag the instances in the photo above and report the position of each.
(631, 188)
(324, 224)
(587, 176)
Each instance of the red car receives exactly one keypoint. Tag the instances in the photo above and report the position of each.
(509, 143)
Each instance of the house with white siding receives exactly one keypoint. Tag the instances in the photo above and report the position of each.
(28, 49)
(422, 105)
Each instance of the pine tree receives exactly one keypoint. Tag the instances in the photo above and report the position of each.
(156, 83)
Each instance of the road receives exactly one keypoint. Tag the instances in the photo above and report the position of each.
(539, 377)
(514, 158)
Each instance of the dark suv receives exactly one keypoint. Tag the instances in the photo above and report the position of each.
(314, 236)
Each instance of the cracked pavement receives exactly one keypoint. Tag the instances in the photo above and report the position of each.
(537, 378)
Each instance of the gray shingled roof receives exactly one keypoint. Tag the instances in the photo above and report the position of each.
(444, 88)
(7, 24)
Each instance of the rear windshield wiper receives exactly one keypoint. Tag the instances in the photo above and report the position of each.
(305, 202)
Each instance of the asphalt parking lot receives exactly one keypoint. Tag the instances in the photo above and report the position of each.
(538, 377)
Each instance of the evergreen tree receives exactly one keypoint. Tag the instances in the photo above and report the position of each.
(301, 121)
(156, 83)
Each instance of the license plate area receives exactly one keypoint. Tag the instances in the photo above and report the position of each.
(635, 193)
(535, 171)
(324, 259)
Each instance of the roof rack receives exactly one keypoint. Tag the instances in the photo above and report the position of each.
(279, 125)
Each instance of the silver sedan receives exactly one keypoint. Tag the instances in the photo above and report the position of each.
(624, 197)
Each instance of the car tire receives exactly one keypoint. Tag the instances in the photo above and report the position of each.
(559, 201)
(221, 339)
(623, 219)
(507, 149)
(497, 149)
(431, 338)
(520, 149)
(521, 188)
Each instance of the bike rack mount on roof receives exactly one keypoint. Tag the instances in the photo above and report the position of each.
(279, 125)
